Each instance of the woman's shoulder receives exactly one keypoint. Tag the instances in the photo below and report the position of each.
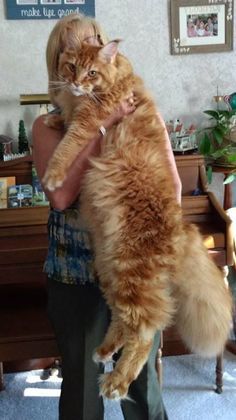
(39, 122)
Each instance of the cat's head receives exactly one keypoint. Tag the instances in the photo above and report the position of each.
(88, 68)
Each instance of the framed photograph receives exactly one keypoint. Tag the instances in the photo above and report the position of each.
(74, 1)
(50, 2)
(26, 2)
(201, 26)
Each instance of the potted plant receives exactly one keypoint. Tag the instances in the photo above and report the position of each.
(218, 142)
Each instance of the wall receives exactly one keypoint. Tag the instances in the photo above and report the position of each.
(183, 86)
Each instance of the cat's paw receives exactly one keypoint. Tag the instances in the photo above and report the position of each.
(54, 121)
(53, 179)
(114, 386)
(99, 357)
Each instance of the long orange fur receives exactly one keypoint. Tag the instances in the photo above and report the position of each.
(153, 267)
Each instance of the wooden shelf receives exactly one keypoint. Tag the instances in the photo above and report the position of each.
(25, 330)
(23, 216)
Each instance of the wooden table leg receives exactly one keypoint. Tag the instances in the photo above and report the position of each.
(219, 374)
(228, 199)
(1, 377)
(159, 361)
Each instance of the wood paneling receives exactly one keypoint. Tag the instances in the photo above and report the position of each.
(25, 331)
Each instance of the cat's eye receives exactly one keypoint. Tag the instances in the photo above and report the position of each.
(71, 67)
(92, 73)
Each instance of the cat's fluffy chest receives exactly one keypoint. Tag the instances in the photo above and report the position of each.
(69, 104)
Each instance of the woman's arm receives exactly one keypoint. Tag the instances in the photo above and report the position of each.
(172, 164)
(45, 141)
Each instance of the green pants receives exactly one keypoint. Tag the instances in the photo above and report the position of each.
(80, 318)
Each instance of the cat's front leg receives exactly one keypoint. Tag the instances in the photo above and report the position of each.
(54, 121)
(59, 164)
(55, 174)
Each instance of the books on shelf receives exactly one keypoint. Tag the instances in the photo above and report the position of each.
(20, 195)
(39, 196)
(5, 183)
(13, 195)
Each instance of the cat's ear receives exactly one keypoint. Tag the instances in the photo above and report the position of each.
(109, 51)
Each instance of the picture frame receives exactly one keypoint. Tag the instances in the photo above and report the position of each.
(50, 2)
(74, 1)
(201, 26)
(26, 2)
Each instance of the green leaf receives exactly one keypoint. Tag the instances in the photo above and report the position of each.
(230, 178)
(219, 153)
(217, 134)
(205, 145)
(213, 114)
(232, 158)
(209, 174)
(223, 129)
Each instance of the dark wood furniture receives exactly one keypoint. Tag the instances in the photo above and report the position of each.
(25, 332)
(216, 228)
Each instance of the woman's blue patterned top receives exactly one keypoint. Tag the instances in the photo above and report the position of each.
(70, 258)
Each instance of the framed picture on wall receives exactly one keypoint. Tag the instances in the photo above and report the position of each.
(50, 2)
(74, 1)
(25, 2)
(201, 26)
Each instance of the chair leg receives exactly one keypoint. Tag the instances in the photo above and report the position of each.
(219, 374)
(159, 366)
(1, 377)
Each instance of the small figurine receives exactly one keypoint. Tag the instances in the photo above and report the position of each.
(230, 100)
(5, 146)
(183, 139)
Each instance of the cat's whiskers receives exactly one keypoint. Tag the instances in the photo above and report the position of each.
(61, 78)
(57, 84)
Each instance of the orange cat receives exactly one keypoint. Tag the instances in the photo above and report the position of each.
(152, 266)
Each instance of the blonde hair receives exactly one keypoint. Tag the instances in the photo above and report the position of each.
(80, 26)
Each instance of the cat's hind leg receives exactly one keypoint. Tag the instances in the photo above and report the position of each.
(113, 341)
(115, 384)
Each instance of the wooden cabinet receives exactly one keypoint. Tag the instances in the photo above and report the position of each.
(25, 332)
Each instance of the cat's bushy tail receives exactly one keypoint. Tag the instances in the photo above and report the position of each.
(204, 301)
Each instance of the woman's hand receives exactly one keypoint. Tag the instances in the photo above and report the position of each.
(126, 107)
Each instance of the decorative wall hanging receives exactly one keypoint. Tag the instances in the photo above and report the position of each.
(47, 9)
(201, 26)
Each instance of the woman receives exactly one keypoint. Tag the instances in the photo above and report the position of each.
(76, 307)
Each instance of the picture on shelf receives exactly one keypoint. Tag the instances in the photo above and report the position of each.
(5, 183)
(20, 196)
(39, 196)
